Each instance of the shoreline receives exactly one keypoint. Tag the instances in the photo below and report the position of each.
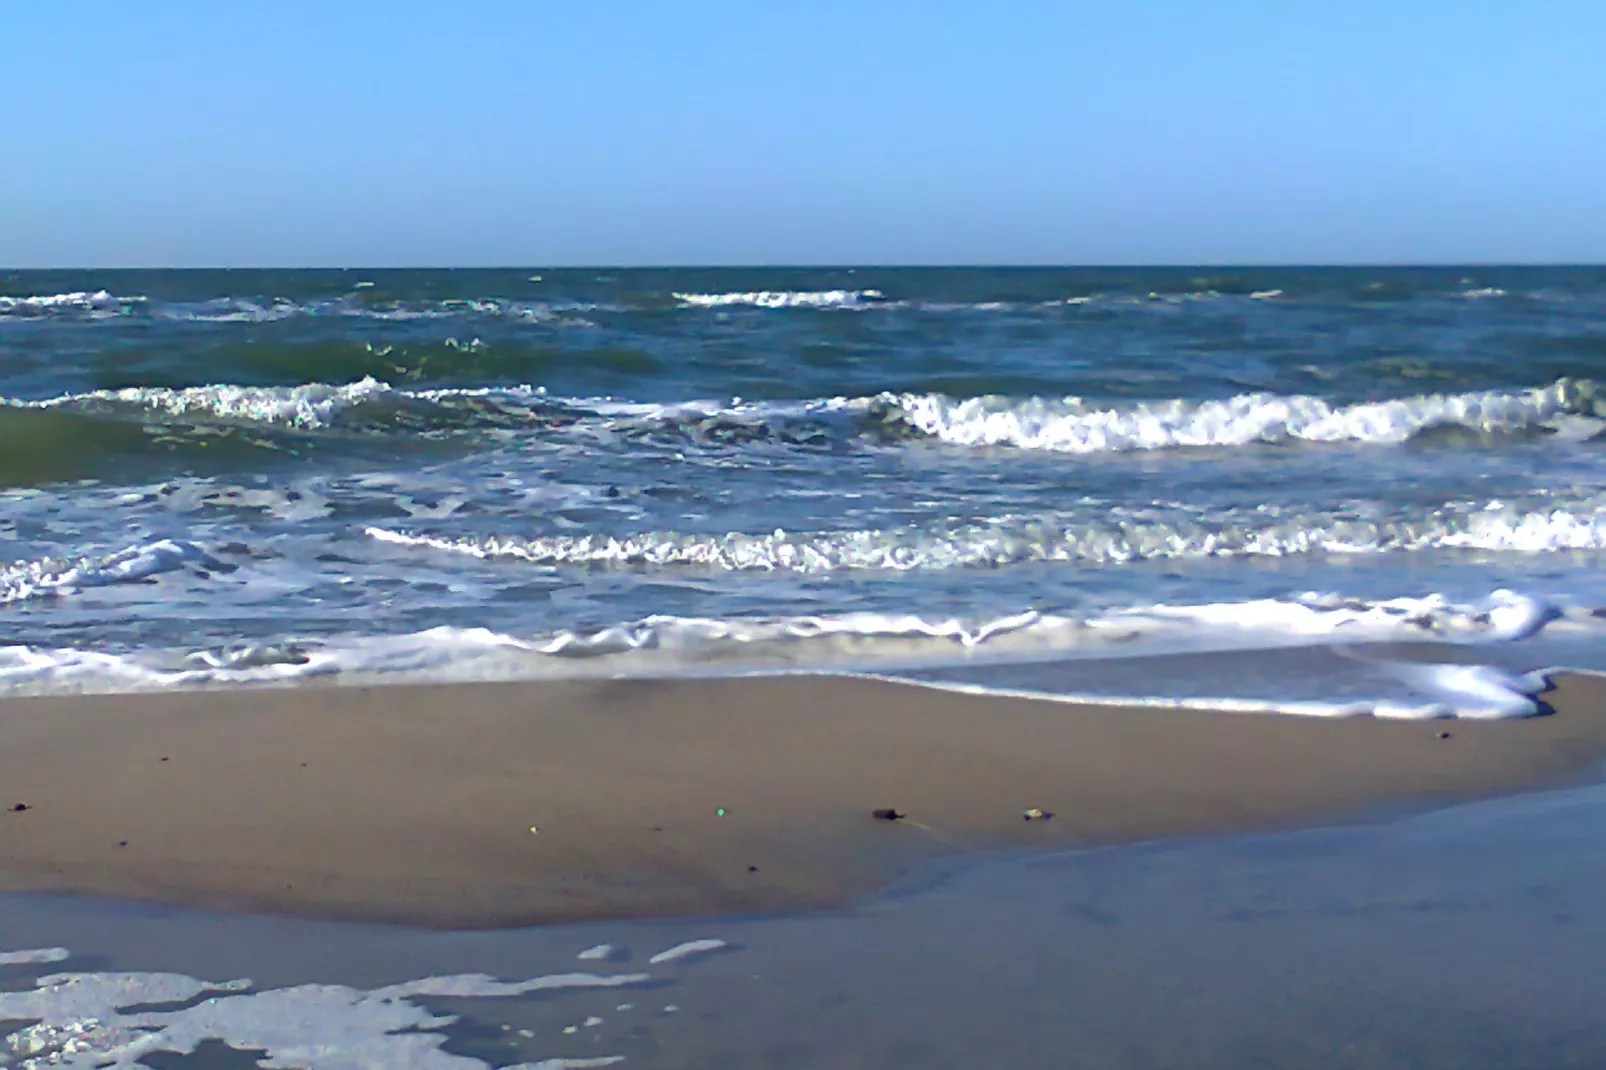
(415, 803)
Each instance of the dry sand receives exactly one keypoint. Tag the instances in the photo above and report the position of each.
(419, 804)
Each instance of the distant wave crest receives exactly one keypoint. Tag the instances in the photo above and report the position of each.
(82, 302)
(784, 299)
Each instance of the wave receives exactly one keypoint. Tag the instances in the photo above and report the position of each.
(311, 406)
(785, 299)
(96, 302)
(106, 439)
(366, 301)
(856, 300)
(1491, 526)
(100, 304)
(272, 310)
(1073, 426)
(855, 643)
(1568, 408)
(374, 406)
(23, 581)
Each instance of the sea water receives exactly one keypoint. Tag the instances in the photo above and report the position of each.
(982, 477)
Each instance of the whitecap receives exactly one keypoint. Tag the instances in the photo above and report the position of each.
(1113, 538)
(85, 301)
(783, 299)
(1070, 425)
(46, 577)
(310, 406)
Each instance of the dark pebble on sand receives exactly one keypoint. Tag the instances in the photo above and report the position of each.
(752, 869)
(887, 815)
(122, 843)
(20, 807)
(1444, 735)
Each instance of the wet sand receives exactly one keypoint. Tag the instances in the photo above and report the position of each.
(416, 804)
(1467, 937)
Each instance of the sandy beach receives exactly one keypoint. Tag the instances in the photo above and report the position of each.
(493, 805)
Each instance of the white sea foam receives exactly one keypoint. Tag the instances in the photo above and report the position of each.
(1433, 691)
(318, 406)
(687, 950)
(784, 299)
(96, 301)
(34, 956)
(268, 310)
(1475, 692)
(851, 642)
(310, 406)
(1569, 409)
(86, 1020)
(1070, 425)
(231, 310)
(1112, 539)
(99, 304)
(46, 577)
(1184, 297)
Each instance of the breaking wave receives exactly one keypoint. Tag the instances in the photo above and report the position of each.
(1492, 526)
(859, 643)
(311, 406)
(96, 428)
(48, 577)
(785, 299)
(100, 304)
(270, 310)
(1073, 426)
(94, 303)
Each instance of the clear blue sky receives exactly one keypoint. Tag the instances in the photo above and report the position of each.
(801, 131)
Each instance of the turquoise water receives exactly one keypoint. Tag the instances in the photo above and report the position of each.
(266, 475)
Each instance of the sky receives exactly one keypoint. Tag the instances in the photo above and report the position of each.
(528, 132)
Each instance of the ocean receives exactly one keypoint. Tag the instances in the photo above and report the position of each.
(1055, 481)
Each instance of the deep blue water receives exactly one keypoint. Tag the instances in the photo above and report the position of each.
(245, 475)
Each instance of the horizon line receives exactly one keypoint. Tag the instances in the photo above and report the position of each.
(845, 266)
